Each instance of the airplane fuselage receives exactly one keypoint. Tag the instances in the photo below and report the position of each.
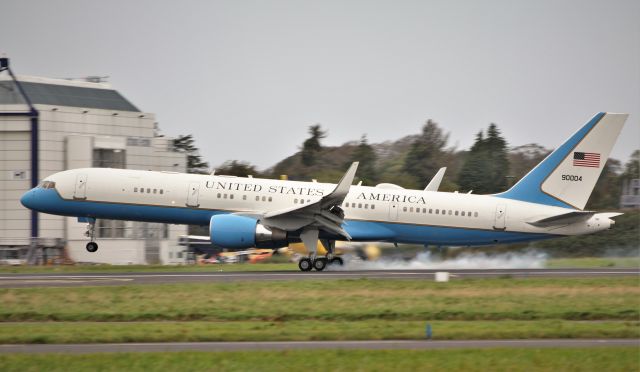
(388, 214)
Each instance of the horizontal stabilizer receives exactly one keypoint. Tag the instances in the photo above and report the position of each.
(563, 219)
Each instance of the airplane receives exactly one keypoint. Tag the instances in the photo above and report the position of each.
(244, 212)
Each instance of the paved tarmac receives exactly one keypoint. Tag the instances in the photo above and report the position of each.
(93, 279)
(314, 345)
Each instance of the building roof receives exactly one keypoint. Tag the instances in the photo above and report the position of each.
(76, 95)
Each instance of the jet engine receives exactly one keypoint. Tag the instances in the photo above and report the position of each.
(240, 232)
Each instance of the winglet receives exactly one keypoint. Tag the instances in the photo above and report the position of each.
(342, 189)
(434, 184)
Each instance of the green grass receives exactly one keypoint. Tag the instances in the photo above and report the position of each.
(344, 300)
(587, 262)
(569, 359)
(308, 330)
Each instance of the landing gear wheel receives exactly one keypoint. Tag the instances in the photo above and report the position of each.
(305, 264)
(319, 264)
(92, 247)
(336, 261)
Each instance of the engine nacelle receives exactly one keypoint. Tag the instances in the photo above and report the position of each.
(240, 232)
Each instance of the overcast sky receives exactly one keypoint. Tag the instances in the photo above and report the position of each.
(248, 77)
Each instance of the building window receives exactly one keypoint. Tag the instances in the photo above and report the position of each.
(110, 228)
(109, 158)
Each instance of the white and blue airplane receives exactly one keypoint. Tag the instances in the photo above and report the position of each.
(249, 212)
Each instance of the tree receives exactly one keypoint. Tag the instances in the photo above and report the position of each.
(486, 165)
(237, 168)
(632, 167)
(498, 160)
(311, 146)
(366, 155)
(426, 154)
(195, 164)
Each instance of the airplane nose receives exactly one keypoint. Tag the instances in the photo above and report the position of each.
(28, 199)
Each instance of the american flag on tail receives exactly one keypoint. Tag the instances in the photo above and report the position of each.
(586, 159)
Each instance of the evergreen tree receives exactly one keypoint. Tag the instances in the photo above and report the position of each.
(237, 168)
(311, 146)
(426, 154)
(367, 157)
(498, 160)
(185, 144)
(486, 165)
(471, 176)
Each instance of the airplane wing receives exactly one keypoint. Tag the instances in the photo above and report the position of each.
(324, 214)
(434, 184)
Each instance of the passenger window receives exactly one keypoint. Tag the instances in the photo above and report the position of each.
(404, 209)
(244, 197)
(155, 191)
(230, 196)
(270, 199)
(219, 195)
(456, 213)
(224, 196)
(135, 189)
(411, 209)
(469, 214)
(462, 213)
(373, 206)
(360, 205)
(257, 198)
(148, 190)
(437, 211)
(366, 206)
(161, 191)
(475, 214)
(264, 198)
(430, 210)
(449, 212)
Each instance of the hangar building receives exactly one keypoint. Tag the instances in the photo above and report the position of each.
(49, 125)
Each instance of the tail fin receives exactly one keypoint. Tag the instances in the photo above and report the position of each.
(567, 176)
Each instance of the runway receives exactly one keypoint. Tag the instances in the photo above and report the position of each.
(314, 345)
(93, 279)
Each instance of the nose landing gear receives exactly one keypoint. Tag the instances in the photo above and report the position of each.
(91, 228)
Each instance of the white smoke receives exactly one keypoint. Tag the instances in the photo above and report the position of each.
(425, 261)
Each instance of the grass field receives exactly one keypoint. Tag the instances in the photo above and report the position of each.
(323, 310)
(595, 359)
(307, 330)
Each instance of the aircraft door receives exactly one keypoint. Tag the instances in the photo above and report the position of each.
(500, 217)
(194, 193)
(393, 211)
(80, 191)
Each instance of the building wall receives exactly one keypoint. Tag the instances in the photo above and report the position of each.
(68, 138)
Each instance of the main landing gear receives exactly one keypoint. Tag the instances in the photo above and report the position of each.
(91, 229)
(319, 263)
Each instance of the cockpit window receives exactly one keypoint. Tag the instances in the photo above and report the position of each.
(47, 185)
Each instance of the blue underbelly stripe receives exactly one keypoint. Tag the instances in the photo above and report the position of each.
(51, 202)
